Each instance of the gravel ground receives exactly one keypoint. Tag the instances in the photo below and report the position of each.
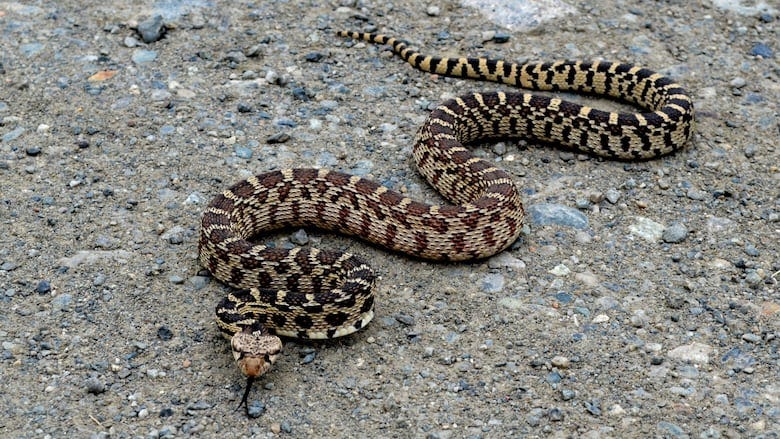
(643, 301)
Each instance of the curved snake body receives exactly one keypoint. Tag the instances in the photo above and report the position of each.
(308, 293)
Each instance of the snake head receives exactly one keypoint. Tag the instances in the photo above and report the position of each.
(255, 350)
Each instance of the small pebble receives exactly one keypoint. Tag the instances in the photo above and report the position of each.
(277, 138)
(501, 37)
(141, 56)
(308, 358)
(675, 233)
(300, 237)
(647, 229)
(612, 195)
(243, 152)
(43, 287)
(762, 50)
(254, 51)
(255, 409)
(673, 429)
(151, 29)
(696, 194)
(506, 260)
(560, 362)
(234, 57)
(405, 319)
(738, 82)
(639, 319)
(751, 250)
(492, 283)
(593, 407)
(33, 151)
(314, 57)
(199, 282)
(131, 42)
(94, 386)
(164, 333)
(751, 338)
(548, 214)
(433, 11)
(62, 302)
(694, 353)
(753, 278)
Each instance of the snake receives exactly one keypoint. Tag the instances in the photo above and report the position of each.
(308, 293)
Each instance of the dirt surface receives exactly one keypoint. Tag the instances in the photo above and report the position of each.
(643, 301)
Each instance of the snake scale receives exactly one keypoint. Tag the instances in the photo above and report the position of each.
(314, 294)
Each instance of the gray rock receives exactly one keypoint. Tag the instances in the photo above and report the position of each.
(141, 56)
(43, 287)
(673, 429)
(560, 361)
(235, 57)
(612, 195)
(696, 194)
(511, 303)
(492, 283)
(762, 50)
(751, 250)
(593, 407)
(94, 385)
(151, 29)
(174, 235)
(753, 278)
(131, 42)
(506, 260)
(738, 82)
(255, 409)
(8, 266)
(277, 138)
(647, 229)
(243, 152)
(13, 134)
(199, 282)
(675, 233)
(405, 319)
(698, 353)
(62, 302)
(300, 237)
(543, 214)
(639, 319)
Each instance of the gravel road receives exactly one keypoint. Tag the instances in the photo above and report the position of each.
(642, 301)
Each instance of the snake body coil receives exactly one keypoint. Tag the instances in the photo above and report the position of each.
(308, 293)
